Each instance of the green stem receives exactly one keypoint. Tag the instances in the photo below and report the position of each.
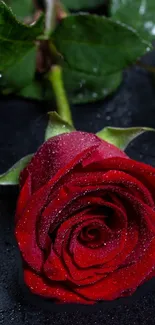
(50, 20)
(63, 107)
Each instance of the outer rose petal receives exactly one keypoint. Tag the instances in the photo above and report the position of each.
(58, 151)
(55, 290)
(141, 171)
(26, 230)
(23, 199)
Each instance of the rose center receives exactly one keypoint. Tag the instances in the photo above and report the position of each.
(89, 233)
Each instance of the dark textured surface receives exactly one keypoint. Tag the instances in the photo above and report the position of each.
(22, 125)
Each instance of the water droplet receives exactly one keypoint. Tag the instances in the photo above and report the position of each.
(0, 75)
(95, 69)
(108, 118)
(94, 95)
(142, 8)
(153, 30)
(82, 82)
(148, 49)
(105, 91)
(80, 95)
(148, 25)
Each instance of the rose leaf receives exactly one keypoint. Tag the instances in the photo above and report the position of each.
(21, 9)
(32, 91)
(83, 88)
(121, 137)
(82, 4)
(56, 125)
(97, 45)
(140, 14)
(18, 39)
(22, 72)
(11, 177)
(87, 44)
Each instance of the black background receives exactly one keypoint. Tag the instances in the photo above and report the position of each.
(22, 126)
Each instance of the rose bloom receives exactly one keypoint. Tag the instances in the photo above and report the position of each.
(85, 220)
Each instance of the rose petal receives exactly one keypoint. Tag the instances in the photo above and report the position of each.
(26, 230)
(116, 177)
(81, 276)
(87, 257)
(52, 215)
(129, 277)
(121, 258)
(23, 199)
(54, 269)
(142, 172)
(53, 290)
(55, 154)
(53, 185)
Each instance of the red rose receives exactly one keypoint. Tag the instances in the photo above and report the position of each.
(85, 220)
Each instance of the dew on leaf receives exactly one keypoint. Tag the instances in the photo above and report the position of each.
(95, 69)
(142, 8)
(153, 31)
(80, 95)
(104, 91)
(83, 81)
(148, 24)
(148, 49)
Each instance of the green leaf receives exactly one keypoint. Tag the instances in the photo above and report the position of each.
(121, 137)
(56, 126)
(83, 88)
(21, 8)
(22, 72)
(140, 14)
(33, 91)
(17, 50)
(97, 45)
(82, 4)
(11, 177)
(16, 39)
